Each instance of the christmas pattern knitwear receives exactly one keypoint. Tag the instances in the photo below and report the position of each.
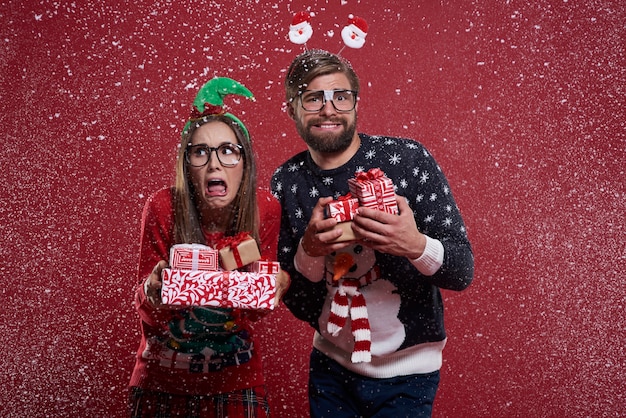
(413, 299)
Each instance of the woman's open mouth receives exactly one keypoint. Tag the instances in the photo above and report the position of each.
(216, 188)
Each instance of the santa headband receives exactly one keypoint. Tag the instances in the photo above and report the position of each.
(210, 101)
(353, 34)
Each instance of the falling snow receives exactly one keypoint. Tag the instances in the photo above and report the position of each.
(522, 104)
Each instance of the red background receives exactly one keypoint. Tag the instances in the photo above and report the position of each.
(522, 103)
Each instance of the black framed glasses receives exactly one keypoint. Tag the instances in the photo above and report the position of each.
(228, 154)
(315, 100)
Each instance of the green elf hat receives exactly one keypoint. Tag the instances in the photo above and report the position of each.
(210, 101)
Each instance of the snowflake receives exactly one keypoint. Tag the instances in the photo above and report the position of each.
(360, 169)
(294, 189)
(293, 167)
(424, 177)
(429, 218)
(426, 154)
(404, 184)
(433, 197)
(370, 154)
(463, 229)
(314, 192)
(327, 181)
(416, 172)
(395, 159)
(389, 141)
(446, 190)
(285, 250)
(447, 222)
(299, 213)
(448, 208)
(419, 198)
(412, 145)
(278, 170)
(279, 186)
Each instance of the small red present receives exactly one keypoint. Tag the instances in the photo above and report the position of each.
(238, 251)
(193, 257)
(226, 289)
(374, 190)
(266, 267)
(343, 209)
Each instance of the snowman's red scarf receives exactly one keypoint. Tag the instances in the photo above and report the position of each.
(348, 300)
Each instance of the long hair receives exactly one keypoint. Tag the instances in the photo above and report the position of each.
(313, 63)
(244, 217)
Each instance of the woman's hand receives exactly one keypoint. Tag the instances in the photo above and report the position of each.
(153, 284)
(282, 284)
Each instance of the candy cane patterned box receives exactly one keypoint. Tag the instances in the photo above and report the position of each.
(227, 289)
(374, 190)
(193, 257)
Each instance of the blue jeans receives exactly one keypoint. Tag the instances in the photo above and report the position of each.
(337, 392)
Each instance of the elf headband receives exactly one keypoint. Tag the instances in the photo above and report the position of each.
(210, 101)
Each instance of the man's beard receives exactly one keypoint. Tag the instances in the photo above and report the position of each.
(328, 143)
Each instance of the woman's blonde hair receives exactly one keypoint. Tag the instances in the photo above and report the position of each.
(245, 216)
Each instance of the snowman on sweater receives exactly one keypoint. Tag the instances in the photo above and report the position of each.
(360, 314)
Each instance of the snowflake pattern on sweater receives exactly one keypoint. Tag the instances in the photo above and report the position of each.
(299, 183)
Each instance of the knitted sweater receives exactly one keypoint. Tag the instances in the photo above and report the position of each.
(191, 351)
(405, 305)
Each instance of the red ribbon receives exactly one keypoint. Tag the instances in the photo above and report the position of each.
(371, 174)
(225, 284)
(345, 212)
(233, 242)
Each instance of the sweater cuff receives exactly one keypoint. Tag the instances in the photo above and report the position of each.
(310, 267)
(431, 259)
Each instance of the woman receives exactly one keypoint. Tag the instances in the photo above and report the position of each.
(203, 361)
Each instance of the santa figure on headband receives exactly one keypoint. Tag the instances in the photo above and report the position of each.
(354, 33)
(300, 30)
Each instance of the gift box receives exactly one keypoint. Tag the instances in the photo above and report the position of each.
(238, 251)
(193, 257)
(348, 234)
(226, 289)
(266, 267)
(342, 209)
(374, 190)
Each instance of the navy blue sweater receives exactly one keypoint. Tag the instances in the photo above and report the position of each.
(299, 183)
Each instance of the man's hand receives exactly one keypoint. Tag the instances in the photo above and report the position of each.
(391, 234)
(319, 234)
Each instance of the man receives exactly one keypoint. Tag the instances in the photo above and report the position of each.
(408, 256)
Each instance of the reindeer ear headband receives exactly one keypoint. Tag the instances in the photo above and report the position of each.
(353, 34)
(210, 101)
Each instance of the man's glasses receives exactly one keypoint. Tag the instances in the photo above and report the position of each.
(228, 154)
(315, 100)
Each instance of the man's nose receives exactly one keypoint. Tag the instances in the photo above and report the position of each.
(328, 107)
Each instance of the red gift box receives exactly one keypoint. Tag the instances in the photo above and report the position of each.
(374, 190)
(193, 257)
(343, 209)
(266, 267)
(238, 251)
(226, 289)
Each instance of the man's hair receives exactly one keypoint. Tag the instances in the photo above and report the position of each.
(314, 63)
(246, 216)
